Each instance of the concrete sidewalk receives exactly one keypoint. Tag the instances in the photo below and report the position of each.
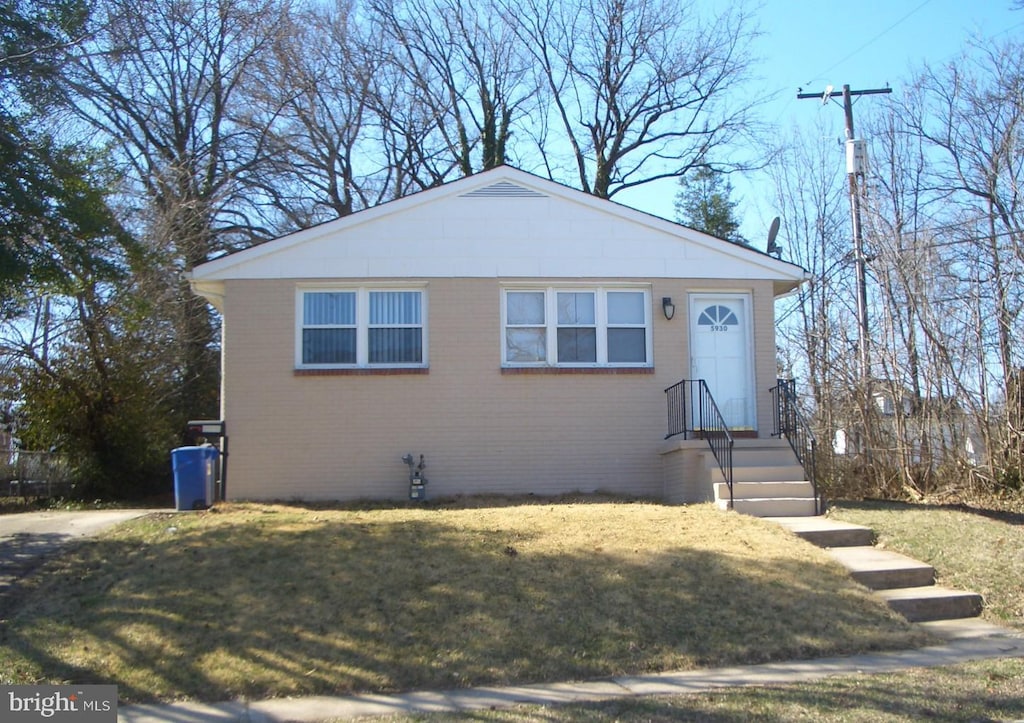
(966, 640)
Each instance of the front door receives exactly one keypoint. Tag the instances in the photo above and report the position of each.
(720, 344)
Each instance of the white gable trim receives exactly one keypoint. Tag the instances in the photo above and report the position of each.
(467, 186)
(502, 223)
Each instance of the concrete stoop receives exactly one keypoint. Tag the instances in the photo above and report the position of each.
(905, 583)
(758, 503)
(767, 481)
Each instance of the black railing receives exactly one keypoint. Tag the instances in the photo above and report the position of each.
(790, 423)
(692, 412)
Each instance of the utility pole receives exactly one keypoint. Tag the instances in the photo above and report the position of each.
(856, 161)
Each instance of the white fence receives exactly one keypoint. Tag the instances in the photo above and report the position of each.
(33, 474)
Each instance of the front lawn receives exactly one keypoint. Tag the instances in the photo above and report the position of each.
(254, 601)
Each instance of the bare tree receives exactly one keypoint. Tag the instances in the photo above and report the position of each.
(313, 99)
(160, 81)
(469, 71)
(942, 223)
(640, 90)
(362, 104)
(810, 197)
(817, 326)
(971, 120)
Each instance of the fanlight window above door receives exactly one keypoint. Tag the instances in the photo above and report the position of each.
(717, 315)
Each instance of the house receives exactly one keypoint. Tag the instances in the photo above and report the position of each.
(518, 333)
(912, 429)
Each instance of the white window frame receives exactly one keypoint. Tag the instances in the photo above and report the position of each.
(551, 325)
(362, 324)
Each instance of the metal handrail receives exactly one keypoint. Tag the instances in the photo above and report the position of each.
(692, 410)
(790, 423)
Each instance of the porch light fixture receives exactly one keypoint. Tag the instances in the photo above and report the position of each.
(667, 307)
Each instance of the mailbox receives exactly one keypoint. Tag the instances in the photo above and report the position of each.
(212, 431)
(206, 428)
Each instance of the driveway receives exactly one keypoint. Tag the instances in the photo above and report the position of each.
(27, 539)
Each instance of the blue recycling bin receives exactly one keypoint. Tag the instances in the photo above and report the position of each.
(194, 476)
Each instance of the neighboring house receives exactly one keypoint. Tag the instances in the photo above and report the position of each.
(509, 328)
(931, 430)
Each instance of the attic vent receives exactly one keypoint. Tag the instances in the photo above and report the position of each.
(503, 189)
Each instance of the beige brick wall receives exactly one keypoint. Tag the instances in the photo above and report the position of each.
(342, 437)
(686, 466)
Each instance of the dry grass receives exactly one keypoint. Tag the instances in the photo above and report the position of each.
(971, 549)
(257, 601)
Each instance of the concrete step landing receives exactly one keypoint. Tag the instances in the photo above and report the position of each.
(824, 532)
(766, 473)
(883, 569)
(770, 506)
(778, 488)
(768, 480)
(772, 498)
(920, 604)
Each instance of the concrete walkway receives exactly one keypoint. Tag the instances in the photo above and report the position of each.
(966, 640)
(27, 539)
(906, 584)
(67, 525)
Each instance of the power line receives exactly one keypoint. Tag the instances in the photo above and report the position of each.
(866, 44)
(971, 239)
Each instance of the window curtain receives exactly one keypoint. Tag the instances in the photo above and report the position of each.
(395, 331)
(329, 333)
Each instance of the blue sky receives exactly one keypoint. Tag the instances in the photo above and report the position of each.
(866, 44)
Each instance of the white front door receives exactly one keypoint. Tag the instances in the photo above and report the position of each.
(720, 344)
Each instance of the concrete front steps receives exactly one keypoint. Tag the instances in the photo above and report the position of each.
(905, 583)
(768, 499)
(768, 481)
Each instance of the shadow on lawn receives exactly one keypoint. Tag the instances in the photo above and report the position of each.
(1010, 518)
(20, 555)
(19, 552)
(342, 607)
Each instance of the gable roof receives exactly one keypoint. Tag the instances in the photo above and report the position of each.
(501, 223)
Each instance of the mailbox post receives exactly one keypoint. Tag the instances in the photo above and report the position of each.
(200, 430)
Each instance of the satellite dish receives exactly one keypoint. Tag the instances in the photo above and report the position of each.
(773, 231)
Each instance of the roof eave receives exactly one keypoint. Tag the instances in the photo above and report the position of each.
(212, 291)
